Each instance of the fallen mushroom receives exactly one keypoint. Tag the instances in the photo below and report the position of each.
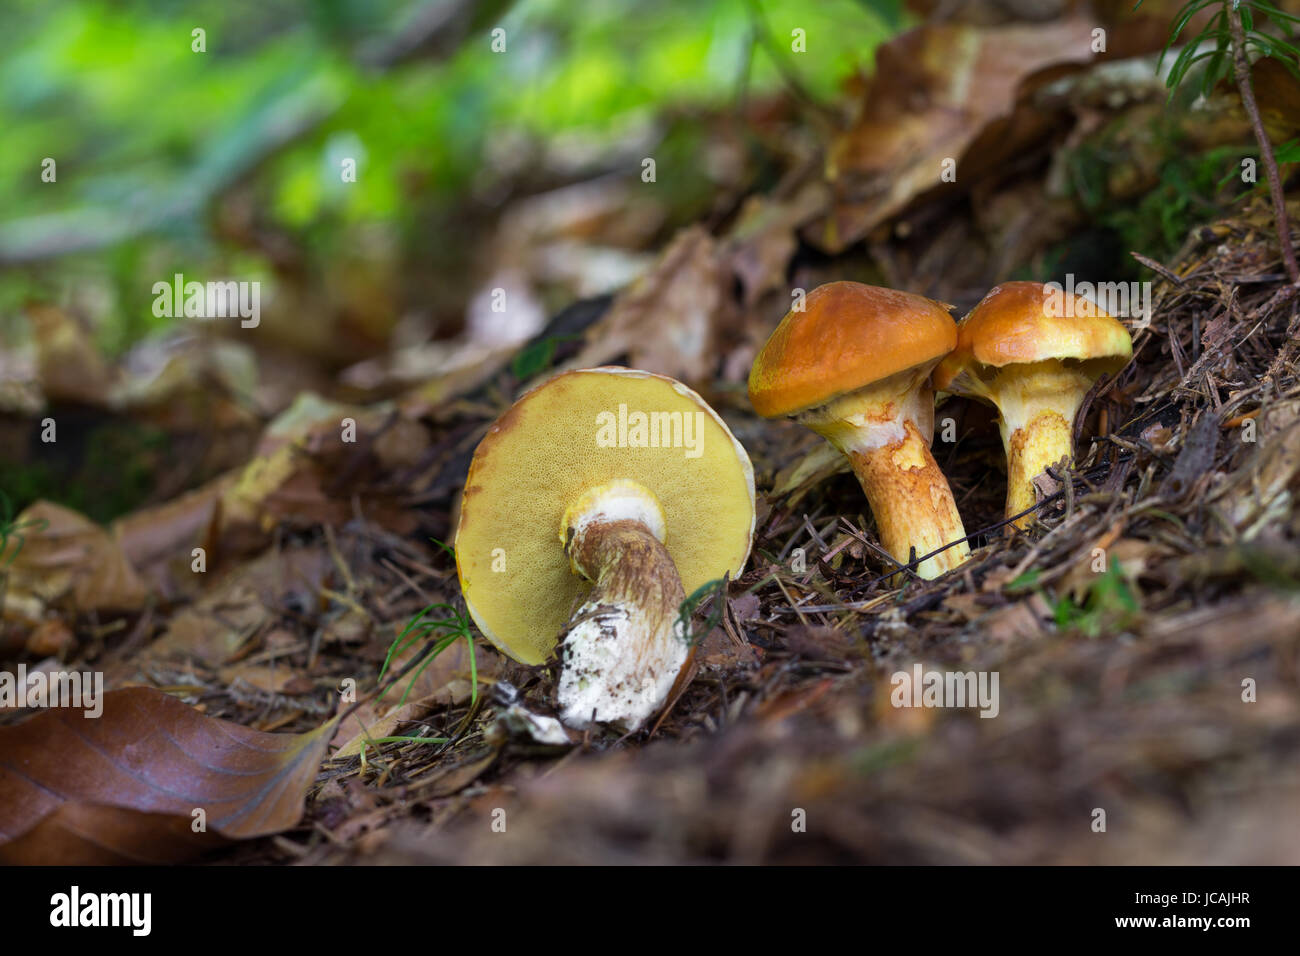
(616, 492)
(854, 366)
(1034, 352)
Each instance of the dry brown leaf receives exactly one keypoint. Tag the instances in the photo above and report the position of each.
(668, 320)
(156, 533)
(82, 834)
(819, 643)
(242, 603)
(51, 638)
(123, 787)
(937, 93)
(764, 238)
(444, 367)
(387, 724)
(1265, 490)
(67, 562)
(267, 677)
(69, 365)
(1136, 556)
(1013, 622)
(443, 682)
(966, 605)
(443, 782)
(159, 540)
(808, 471)
(299, 461)
(718, 652)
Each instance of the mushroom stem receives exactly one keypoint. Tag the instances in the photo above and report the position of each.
(1041, 442)
(1037, 405)
(623, 648)
(911, 502)
(884, 430)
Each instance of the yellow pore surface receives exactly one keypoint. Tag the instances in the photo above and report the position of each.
(576, 431)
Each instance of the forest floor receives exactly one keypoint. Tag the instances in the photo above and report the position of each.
(1144, 632)
(1172, 557)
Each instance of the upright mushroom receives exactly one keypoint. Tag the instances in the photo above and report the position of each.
(1033, 351)
(616, 493)
(854, 366)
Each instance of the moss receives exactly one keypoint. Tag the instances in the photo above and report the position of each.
(108, 471)
(1192, 191)
(1151, 183)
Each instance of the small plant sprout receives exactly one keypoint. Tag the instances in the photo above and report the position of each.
(1034, 359)
(444, 631)
(855, 368)
(1229, 35)
(605, 537)
(12, 529)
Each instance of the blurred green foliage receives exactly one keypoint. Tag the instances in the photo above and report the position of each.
(1189, 186)
(1192, 190)
(1111, 605)
(145, 131)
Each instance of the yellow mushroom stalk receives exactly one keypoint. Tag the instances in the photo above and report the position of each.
(854, 367)
(1034, 354)
(884, 430)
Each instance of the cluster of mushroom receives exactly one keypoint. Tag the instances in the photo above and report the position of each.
(583, 526)
(859, 364)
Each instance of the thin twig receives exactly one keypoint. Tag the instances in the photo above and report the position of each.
(1242, 70)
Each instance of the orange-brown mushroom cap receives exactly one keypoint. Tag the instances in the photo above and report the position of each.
(1018, 323)
(849, 336)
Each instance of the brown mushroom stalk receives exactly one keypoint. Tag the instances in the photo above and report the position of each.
(614, 537)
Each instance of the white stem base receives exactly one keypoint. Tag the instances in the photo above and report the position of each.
(625, 646)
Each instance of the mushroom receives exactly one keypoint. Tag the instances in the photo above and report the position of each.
(854, 366)
(616, 492)
(1034, 351)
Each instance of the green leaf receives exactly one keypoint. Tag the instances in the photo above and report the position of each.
(1288, 152)
(1188, 11)
(1274, 13)
(533, 358)
(1025, 582)
(1271, 46)
(715, 589)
